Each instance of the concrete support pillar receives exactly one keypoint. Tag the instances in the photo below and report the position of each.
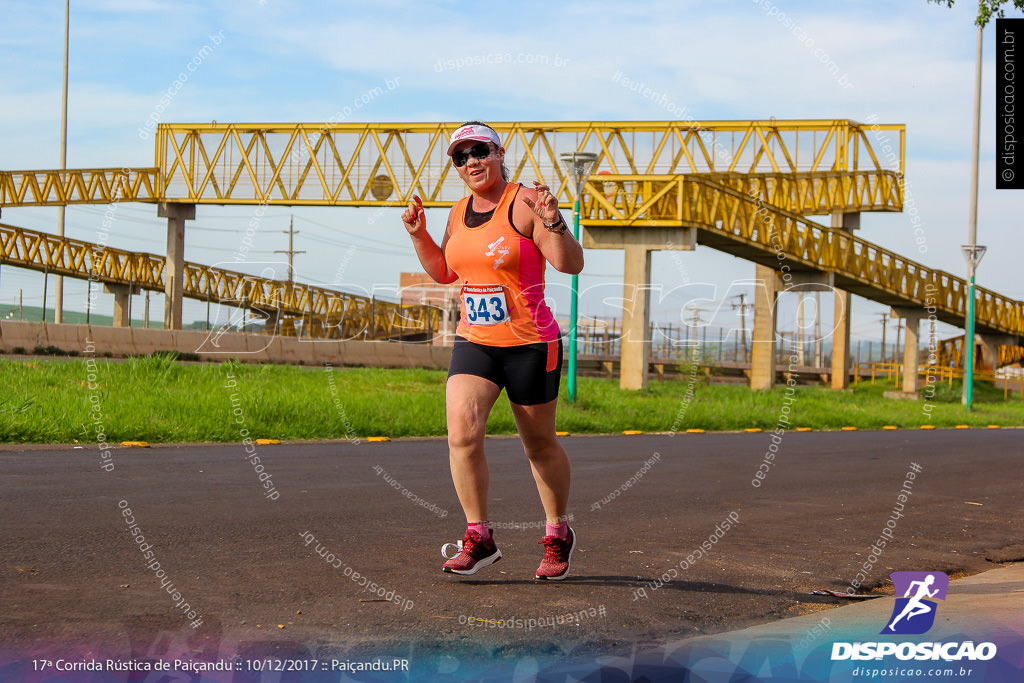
(636, 344)
(913, 317)
(762, 353)
(273, 316)
(638, 242)
(989, 356)
(841, 340)
(122, 297)
(844, 302)
(451, 323)
(988, 360)
(174, 265)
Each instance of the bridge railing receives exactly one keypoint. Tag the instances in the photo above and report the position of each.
(327, 313)
(80, 186)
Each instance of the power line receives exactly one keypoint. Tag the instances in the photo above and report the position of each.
(347, 234)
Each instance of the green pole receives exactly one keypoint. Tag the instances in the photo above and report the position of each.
(969, 346)
(572, 307)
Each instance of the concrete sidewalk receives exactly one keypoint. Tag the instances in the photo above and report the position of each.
(990, 603)
(986, 607)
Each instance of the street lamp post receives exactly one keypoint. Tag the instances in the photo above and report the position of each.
(972, 252)
(578, 165)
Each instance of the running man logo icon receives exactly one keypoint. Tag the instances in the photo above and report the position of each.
(914, 613)
(501, 249)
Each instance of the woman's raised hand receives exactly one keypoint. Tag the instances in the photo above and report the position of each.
(413, 217)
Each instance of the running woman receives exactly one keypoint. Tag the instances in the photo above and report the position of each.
(498, 241)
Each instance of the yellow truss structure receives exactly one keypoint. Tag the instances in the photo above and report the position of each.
(79, 186)
(325, 313)
(721, 177)
(384, 164)
(948, 353)
(741, 224)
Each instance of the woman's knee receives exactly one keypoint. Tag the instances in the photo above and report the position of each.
(542, 447)
(466, 437)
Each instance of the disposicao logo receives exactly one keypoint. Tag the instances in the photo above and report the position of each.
(914, 614)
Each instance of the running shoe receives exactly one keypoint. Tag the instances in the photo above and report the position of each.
(476, 553)
(557, 556)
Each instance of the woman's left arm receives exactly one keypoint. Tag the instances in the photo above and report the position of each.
(556, 243)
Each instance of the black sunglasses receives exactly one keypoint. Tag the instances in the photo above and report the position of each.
(481, 151)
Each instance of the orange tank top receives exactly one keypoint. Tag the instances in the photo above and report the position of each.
(503, 279)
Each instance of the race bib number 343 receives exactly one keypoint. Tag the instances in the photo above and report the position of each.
(485, 305)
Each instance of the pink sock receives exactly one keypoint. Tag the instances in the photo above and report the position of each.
(559, 530)
(481, 528)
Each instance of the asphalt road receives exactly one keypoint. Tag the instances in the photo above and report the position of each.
(74, 579)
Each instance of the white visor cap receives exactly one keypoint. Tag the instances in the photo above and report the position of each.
(472, 132)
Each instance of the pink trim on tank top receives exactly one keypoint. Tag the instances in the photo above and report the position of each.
(531, 279)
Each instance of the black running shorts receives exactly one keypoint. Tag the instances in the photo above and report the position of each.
(529, 374)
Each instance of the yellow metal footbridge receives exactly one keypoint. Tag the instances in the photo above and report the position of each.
(743, 187)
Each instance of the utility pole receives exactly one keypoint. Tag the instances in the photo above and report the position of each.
(291, 251)
(899, 330)
(696, 320)
(800, 330)
(695, 348)
(817, 329)
(885, 326)
(742, 307)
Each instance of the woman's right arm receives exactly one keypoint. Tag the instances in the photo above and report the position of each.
(431, 256)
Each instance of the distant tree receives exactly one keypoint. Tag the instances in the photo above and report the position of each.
(986, 8)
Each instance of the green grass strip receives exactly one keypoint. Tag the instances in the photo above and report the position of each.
(160, 400)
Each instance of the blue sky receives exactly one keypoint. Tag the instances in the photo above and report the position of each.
(909, 62)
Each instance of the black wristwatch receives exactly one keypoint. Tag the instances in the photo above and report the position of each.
(558, 226)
